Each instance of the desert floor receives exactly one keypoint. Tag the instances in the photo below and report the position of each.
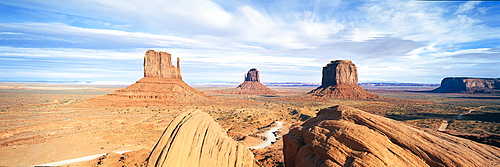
(45, 122)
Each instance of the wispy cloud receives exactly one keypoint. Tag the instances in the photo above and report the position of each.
(407, 41)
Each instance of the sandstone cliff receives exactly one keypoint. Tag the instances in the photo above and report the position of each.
(252, 75)
(162, 85)
(251, 85)
(159, 65)
(345, 136)
(469, 85)
(195, 139)
(340, 79)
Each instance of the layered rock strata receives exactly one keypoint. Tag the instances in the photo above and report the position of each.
(195, 139)
(162, 85)
(469, 85)
(340, 79)
(251, 85)
(159, 65)
(345, 136)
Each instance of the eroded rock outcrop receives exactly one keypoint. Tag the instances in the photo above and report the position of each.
(251, 85)
(195, 139)
(340, 79)
(345, 136)
(159, 65)
(469, 85)
(162, 85)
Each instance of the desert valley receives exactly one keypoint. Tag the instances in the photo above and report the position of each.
(162, 121)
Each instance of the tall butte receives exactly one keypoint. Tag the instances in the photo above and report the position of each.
(252, 85)
(340, 79)
(162, 85)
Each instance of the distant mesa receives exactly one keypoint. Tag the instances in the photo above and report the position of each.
(251, 85)
(346, 136)
(162, 85)
(195, 139)
(469, 85)
(340, 79)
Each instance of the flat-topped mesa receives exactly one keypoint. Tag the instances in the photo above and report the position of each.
(159, 65)
(340, 79)
(469, 85)
(340, 72)
(252, 75)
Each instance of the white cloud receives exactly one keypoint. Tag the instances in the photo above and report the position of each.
(466, 7)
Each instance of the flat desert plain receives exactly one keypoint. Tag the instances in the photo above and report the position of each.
(48, 122)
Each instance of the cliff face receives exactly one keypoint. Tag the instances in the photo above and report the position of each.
(159, 65)
(340, 72)
(195, 139)
(345, 136)
(252, 75)
(251, 85)
(162, 85)
(469, 85)
(340, 79)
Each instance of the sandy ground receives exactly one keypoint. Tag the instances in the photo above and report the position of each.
(42, 123)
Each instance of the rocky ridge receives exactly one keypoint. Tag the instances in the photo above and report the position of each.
(251, 85)
(469, 85)
(340, 79)
(195, 139)
(345, 136)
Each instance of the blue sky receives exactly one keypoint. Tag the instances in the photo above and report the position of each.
(220, 40)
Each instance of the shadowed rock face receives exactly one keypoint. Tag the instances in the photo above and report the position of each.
(340, 79)
(469, 85)
(345, 136)
(159, 65)
(340, 72)
(251, 85)
(195, 139)
(252, 75)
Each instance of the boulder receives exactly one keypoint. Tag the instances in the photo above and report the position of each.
(195, 139)
(340, 79)
(345, 136)
(469, 85)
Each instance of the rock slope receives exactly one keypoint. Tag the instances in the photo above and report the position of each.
(162, 85)
(340, 79)
(195, 139)
(469, 85)
(251, 85)
(345, 136)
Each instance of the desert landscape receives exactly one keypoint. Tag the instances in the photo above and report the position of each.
(214, 83)
(43, 123)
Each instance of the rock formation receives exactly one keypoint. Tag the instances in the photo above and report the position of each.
(469, 85)
(340, 79)
(159, 65)
(345, 136)
(251, 85)
(195, 139)
(252, 75)
(162, 85)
